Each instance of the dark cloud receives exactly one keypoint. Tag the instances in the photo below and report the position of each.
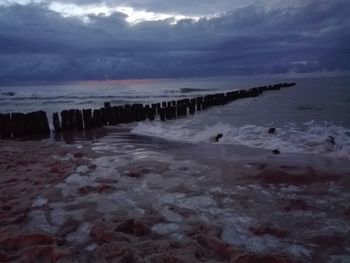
(39, 44)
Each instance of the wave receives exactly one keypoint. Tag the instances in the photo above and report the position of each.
(311, 137)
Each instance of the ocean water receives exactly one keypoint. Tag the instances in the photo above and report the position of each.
(305, 116)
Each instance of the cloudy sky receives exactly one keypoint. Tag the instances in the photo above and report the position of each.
(120, 39)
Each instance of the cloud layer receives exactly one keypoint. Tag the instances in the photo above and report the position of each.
(37, 43)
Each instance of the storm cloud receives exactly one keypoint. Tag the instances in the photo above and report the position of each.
(37, 43)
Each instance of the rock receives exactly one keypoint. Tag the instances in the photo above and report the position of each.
(218, 137)
(272, 130)
(10, 94)
(276, 151)
(331, 140)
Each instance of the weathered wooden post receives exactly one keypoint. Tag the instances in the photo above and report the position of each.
(79, 120)
(72, 120)
(158, 108)
(97, 117)
(65, 120)
(162, 114)
(104, 116)
(192, 108)
(88, 120)
(5, 126)
(43, 123)
(17, 120)
(56, 122)
(199, 103)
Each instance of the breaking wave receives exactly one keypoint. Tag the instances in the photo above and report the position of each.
(311, 137)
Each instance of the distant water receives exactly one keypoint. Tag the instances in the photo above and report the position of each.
(304, 116)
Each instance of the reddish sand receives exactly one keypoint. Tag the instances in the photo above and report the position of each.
(31, 169)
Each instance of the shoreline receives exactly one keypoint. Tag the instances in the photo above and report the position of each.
(122, 197)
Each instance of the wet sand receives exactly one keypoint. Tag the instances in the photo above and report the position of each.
(117, 197)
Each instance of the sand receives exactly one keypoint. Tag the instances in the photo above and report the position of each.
(92, 201)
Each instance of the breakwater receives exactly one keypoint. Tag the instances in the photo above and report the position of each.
(22, 125)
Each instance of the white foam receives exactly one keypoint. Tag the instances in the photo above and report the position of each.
(38, 220)
(40, 201)
(165, 229)
(58, 216)
(81, 236)
(311, 137)
(82, 169)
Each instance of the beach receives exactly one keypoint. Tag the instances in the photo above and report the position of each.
(114, 196)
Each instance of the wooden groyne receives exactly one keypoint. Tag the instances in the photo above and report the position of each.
(20, 125)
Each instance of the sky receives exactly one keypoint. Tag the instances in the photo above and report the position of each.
(62, 40)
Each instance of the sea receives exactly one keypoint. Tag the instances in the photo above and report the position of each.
(306, 117)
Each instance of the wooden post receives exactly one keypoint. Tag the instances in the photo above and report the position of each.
(158, 108)
(72, 120)
(65, 120)
(103, 117)
(79, 120)
(56, 122)
(97, 117)
(88, 120)
(192, 108)
(43, 123)
(17, 120)
(162, 114)
(5, 126)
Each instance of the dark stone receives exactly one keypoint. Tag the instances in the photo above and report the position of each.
(10, 94)
(275, 151)
(272, 130)
(331, 140)
(218, 137)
